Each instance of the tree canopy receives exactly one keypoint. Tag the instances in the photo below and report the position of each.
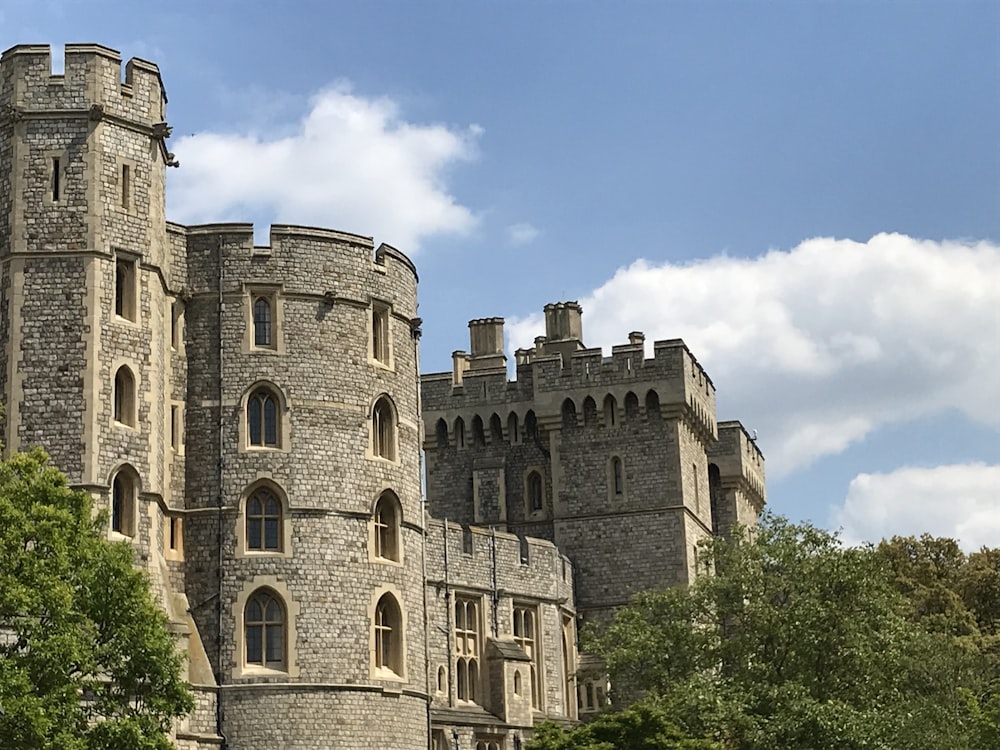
(86, 660)
(797, 641)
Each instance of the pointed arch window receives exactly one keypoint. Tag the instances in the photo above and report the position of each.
(264, 522)
(617, 472)
(263, 419)
(123, 500)
(468, 639)
(388, 636)
(526, 637)
(384, 429)
(386, 526)
(265, 630)
(535, 491)
(124, 397)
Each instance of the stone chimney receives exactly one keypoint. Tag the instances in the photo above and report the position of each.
(486, 342)
(563, 329)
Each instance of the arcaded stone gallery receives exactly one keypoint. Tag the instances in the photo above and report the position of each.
(253, 420)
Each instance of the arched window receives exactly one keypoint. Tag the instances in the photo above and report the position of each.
(442, 682)
(589, 411)
(263, 329)
(384, 429)
(652, 405)
(264, 626)
(568, 414)
(513, 429)
(467, 648)
(459, 432)
(526, 637)
(496, 430)
(264, 521)
(617, 477)
(442, 433)
(531, 425)
(124, 397)
(388, 636)
(631, 406)
(386, 527)
(478, 434)
(535, 491)
(263, 419)
(610, 411)
(123, 498)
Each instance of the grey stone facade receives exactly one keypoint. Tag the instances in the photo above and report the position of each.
(617, 460)
(250, 419)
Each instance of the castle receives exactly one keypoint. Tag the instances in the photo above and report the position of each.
(252, 419)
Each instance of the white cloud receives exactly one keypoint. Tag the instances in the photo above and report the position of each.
(522, 233)
(959, 501)
(352, 163)
(818, 346)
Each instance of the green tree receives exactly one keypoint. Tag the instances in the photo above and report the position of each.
(643, 726)
(86, 660)
(795, 642)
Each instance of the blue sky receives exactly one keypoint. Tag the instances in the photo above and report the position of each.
(807, 192)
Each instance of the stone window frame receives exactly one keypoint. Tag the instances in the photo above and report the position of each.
(125, 405)
(272, 293)
(128, 523)
(529, 512)
(243, 549)
(393, 530)
(241, 669)
(383, 429)
(178, 312)
(592, 695)
(534, 641)
(173, 525)
(50, 155)
(125, 181)
(616, 480)
(283, 425)
(175, 419)
(489, 742)
(472, 694)
(400, 649)
(380, 348)
(125, 288)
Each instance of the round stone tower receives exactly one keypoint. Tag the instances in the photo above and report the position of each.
(303, 533)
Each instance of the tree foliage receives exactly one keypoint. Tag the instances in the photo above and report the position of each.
(86, 660)
(799, 642)
(643, 726)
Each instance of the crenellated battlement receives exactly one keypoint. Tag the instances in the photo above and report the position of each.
(552, 372)
(92, 84)
(740, 461)
(339, 266)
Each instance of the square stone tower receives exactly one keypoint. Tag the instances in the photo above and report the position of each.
(618, 460)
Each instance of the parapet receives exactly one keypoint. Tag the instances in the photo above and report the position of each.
(524, 566)
(92, 83)
(740, 461)
(337, 265)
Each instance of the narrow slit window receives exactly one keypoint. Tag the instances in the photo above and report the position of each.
(126, 188)
(56, 186)
(173, 427)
